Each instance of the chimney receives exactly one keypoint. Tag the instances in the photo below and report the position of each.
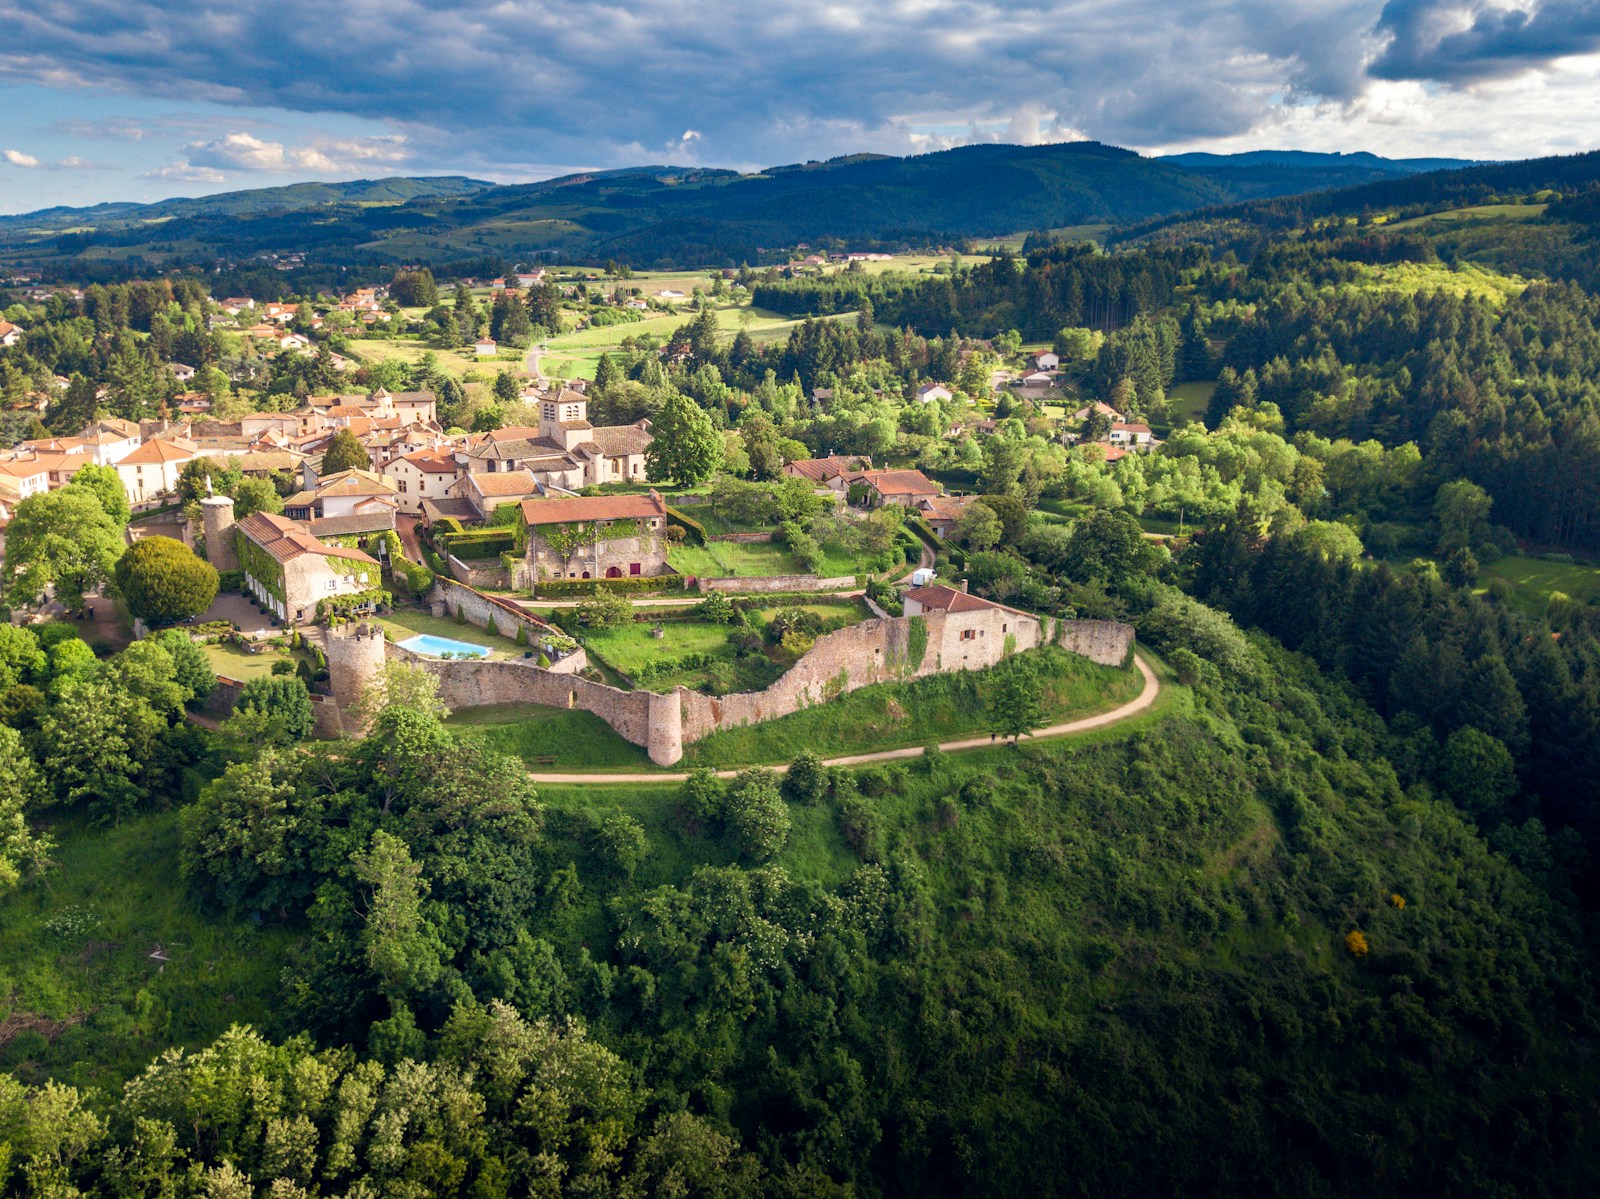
(963, 586)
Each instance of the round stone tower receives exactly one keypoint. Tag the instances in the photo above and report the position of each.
(355, 655)
(666, 729)
(217, 515)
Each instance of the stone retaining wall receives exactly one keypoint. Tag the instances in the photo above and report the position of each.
(745, 538)
(761, 584)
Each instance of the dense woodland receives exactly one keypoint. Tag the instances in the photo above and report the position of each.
(1320, 924)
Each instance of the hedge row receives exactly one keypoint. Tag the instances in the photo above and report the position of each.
(559, 588)
(696, 530)
(486, 543)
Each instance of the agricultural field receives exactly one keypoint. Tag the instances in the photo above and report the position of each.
(1477, 212)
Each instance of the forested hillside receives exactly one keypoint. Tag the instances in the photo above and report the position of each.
(1320, 921)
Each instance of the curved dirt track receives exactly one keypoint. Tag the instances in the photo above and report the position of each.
(1147, 696)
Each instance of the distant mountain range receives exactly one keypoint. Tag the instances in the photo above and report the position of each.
(685, 216)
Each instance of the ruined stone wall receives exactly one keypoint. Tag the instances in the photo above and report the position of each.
(1104, 641)
(478, 576)
(326, 721)
(764, 584)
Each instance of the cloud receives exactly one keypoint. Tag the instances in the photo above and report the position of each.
(1463, 42)
(734, 83)
(18, 159)
(183, 172)
(245, 152)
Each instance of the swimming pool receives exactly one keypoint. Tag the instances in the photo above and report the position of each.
(427, 643)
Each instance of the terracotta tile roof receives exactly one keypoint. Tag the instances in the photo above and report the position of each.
(158, 450)
(946, 507)
(356, 522)
(457, 506)
(597, 507)
(617, 441)
(819, 470)
(898, 482)
(575, 426)
(23, 468)
(1120, 427)
(503, 483)
(111, 424)
(287, 539)
(433, 462)
(354, 482)
(948, 599)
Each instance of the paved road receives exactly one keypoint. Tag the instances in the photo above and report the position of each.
(1146, 697)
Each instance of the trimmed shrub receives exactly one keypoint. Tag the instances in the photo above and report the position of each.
(695, 532)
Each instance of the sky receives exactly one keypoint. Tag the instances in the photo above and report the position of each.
(145, 99)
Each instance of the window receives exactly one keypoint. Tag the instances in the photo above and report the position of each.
(969, 634)
(333, 584)
(404, 486)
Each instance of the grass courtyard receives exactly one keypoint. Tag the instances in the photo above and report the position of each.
(750, 559)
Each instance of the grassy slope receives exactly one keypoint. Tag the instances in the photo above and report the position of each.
(113, 1006)
(891, 715)
(576, 740)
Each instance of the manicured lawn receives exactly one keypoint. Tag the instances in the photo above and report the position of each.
(232, 662)
(402, 623)
(75, 967)
(891, 715)
(576, 740)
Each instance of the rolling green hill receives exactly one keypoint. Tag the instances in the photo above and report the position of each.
(666, 216)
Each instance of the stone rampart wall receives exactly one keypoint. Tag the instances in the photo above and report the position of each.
(476, 683)
(874, 651)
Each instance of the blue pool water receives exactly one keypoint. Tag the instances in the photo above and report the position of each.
(427, 643)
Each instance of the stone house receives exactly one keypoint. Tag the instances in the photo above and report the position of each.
(974, 631)
(904, 487)
(290, 569)
(596, 537)
(488, 492)
(942, 512)
(564, 451)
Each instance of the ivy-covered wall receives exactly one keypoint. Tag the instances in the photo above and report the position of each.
(259, 565)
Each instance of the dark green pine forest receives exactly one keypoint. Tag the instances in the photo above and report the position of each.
(1319, 923)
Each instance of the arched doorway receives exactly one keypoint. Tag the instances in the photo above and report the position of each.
(613, 572)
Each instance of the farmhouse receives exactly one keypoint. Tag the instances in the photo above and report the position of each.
(974, 630)
(875, 488)
(929, 392)
(1129, 434)
(486, 348)
(821, 470)
(1046, 360)
(10, 335)
(290, 569)
(596, 537)
(942, 512)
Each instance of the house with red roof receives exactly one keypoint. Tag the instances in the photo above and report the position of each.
(596, 537)
(289, 568)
